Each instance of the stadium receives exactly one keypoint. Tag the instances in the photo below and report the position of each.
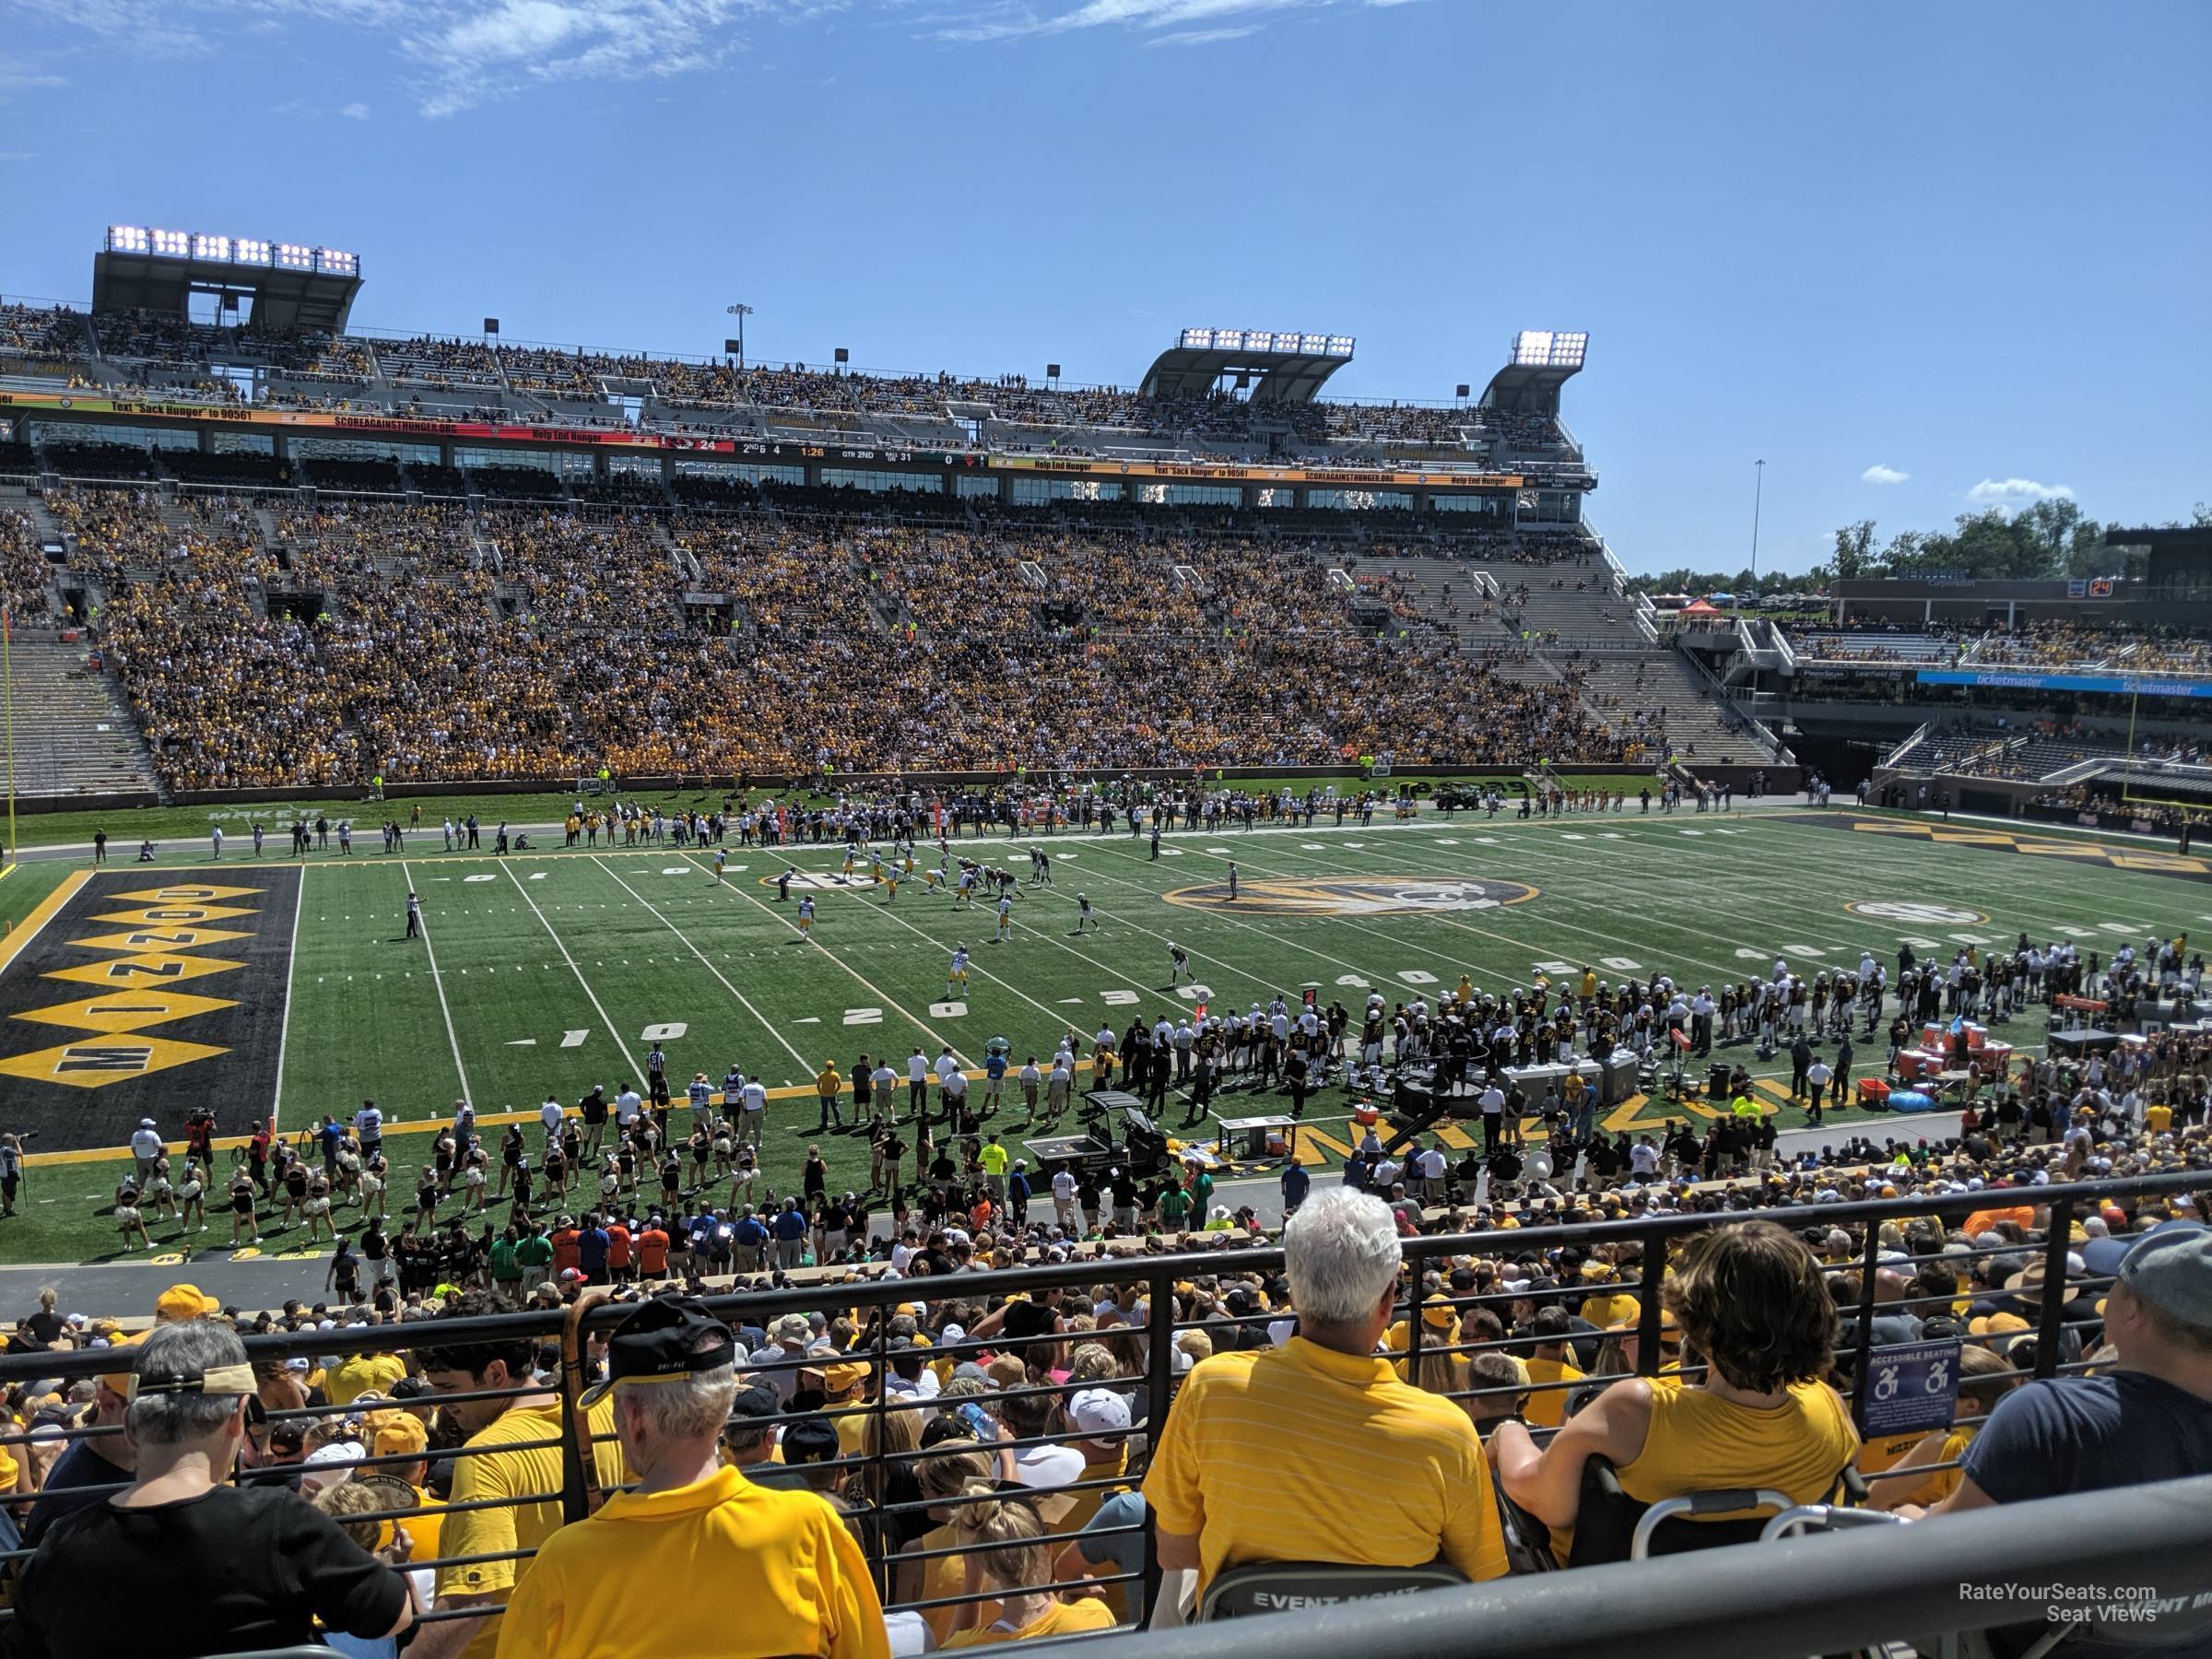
(536, 870)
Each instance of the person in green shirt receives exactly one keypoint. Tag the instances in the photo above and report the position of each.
(1174, 1208)
(506, 1272)
(532, 1256)
(1202, 1192)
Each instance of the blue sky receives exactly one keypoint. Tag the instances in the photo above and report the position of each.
(1966, 244)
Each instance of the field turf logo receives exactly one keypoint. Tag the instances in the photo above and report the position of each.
(1351, 896)
(1917, 914)
(160, 941)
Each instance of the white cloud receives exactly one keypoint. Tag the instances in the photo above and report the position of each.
(2018, 490)
(456, 54)
(1878, 473)
(1181, 22)
(1202, 37)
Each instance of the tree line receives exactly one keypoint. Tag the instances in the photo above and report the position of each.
(2039, 541)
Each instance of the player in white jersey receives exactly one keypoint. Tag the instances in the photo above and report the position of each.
(965, 897)
(956, 974)
(806, 916)
(722, 857)
(1006, 920)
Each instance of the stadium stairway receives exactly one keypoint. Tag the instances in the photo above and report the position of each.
(74, 735)
(1447, 592)
(1594, 612)
(1698, 725)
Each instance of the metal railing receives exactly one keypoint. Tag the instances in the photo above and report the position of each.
(1852, 1591)
(1164, 1295)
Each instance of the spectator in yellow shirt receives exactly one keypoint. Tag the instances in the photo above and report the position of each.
(695, 1551)
(1252, 1460)
(1751, 1300)
(358, 1374)
(506, 1493)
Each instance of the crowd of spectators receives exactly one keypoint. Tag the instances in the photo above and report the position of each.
(966, 1465)
(414, 638)
(46, 333)
(26, 577)
(317, 370)
(2131, 647)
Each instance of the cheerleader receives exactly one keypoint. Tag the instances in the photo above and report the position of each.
(375, 1176)
(244, 1229)
(129, 1221)
(160, 1194)
(191, 1194)
(317, 1209)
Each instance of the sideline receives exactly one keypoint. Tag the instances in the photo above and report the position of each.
(41, 913)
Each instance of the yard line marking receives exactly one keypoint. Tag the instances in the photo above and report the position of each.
(708, 965)
(1242, 973)
(439, 980)
(284, 1029)
(936, 1036)
(41, 913)
(613, 1030)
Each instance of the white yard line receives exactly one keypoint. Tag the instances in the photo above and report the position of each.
(438, 980)
(873, 989)
(804, 1064)
(613, 1032)
(284, 1029)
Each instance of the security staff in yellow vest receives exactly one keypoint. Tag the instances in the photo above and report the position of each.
(696, 1559)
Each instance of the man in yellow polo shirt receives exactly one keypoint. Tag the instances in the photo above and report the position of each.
(358, 1374)
(514, 1475)
(696, 1551)
(1314, 1451)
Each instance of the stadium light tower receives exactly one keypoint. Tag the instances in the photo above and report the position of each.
(741, 312)
(1758, 490)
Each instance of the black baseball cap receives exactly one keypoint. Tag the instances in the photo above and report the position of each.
(756, 1401)
(663, 1341)
(811, 1439)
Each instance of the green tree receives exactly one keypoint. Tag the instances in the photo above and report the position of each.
(1855, 548)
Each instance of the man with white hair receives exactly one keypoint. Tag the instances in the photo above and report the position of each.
(661, 1567)
(229, 1567)
(1313, 1451)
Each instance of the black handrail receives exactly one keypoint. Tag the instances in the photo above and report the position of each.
(1824, 1594)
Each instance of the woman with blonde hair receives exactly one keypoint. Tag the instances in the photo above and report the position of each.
(1003, 1541)
(940, 1577)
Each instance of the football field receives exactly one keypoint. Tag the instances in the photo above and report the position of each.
(291, 986)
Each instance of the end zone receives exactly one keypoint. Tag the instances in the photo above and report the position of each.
(141, 993)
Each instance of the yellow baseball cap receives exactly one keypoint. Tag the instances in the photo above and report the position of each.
(185, 1302)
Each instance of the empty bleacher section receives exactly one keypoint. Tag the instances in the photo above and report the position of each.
(73, 734)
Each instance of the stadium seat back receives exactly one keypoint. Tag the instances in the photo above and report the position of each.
(1290, 1586)
(1606, 1521)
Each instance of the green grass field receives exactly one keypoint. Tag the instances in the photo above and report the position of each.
(548, 972)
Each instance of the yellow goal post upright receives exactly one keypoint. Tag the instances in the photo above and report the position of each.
(10, 857)
(2195, 811)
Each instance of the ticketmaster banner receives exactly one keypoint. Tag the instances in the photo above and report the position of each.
(2137, 685)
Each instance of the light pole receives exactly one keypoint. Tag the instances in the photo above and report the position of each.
(1759, 489)
(741, 313)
